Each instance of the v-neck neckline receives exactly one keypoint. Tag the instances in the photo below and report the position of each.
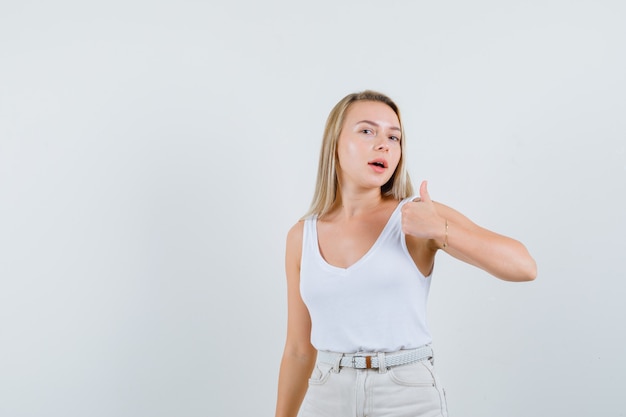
(365, 255)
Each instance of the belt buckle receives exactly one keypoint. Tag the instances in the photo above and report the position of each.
(368, 361)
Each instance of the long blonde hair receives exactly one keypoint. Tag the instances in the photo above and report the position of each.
(399, 185)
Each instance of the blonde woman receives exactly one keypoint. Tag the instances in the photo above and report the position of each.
(358, 271)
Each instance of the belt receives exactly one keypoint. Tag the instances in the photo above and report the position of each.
(370, 361)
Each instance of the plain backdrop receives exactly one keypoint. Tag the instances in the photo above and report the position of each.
(153, 155)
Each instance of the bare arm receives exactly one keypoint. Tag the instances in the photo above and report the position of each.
(499, 255)
(299, 355)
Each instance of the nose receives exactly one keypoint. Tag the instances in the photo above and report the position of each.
(381, 144)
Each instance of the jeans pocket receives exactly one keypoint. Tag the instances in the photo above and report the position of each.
(416, 374)
(320, 373)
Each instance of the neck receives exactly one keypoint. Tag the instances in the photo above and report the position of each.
(353, 203)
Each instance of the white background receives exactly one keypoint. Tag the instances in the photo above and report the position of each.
(153, 155)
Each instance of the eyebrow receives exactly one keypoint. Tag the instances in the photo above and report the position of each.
(377, 125)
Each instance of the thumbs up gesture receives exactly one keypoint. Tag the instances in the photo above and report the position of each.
(420, 217)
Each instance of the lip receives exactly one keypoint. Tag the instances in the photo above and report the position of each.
(379, 161)
(376, 164)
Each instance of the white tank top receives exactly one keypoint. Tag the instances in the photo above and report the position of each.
(378, 304)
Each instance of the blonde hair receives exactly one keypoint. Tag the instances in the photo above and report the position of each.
(399, 185)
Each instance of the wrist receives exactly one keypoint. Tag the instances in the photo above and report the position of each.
(444, 240)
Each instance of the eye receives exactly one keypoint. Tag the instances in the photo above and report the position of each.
(367, 131)
(394, 138)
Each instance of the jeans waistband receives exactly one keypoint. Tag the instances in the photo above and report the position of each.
(376, 360)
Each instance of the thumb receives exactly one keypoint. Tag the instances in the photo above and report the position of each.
(424, 196)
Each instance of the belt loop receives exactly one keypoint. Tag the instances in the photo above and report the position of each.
(382, 367)
(337, 362)
(432, 356)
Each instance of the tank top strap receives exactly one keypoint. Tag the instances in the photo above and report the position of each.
(309, 236)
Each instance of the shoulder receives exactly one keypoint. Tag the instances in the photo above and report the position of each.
(296, 232)
(293, 252)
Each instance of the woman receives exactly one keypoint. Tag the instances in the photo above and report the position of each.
(358, 271)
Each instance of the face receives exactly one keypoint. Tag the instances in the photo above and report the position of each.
(369, 145)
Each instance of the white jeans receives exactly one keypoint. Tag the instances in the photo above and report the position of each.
(411, 390)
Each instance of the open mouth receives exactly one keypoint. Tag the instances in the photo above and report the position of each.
(377, 163)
